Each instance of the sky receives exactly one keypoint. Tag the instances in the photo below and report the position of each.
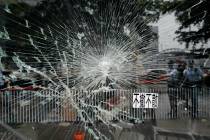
(167, 38)
(167, 25)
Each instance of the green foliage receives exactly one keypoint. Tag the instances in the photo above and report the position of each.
(71, 16)
(194, 16)
(150, 9)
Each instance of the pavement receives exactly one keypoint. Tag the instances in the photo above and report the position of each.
(197, 127)
(162, 130)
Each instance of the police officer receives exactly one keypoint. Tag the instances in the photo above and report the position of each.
(172, 85)
(193, 81)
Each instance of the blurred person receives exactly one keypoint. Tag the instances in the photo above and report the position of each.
(193, 75)
(9, 78)
(193, 81)
(172, 85)
(207, 79)
(180, 76)
(1, 80)
(171, 73)
(20, 79)
(4, 81)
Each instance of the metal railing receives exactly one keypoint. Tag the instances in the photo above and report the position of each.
(49, 106)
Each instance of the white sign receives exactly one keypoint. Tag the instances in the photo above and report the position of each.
(145, 100)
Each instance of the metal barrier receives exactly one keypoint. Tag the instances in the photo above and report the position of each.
(51, 106)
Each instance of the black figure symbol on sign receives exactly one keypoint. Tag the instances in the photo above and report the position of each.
(136, 101)
(148, 101)
(154, 100)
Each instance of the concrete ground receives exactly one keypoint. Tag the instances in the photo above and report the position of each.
(163, 130)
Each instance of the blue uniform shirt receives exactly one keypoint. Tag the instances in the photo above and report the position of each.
(193, 74)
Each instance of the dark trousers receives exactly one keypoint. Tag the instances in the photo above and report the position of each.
(193, 95)
(173, 97)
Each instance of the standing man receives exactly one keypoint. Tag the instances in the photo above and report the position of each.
(172, 85)
(193, 81)
(1, 80)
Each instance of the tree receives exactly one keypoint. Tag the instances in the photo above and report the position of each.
(92, 17)
(48, 31)
(194, 16)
